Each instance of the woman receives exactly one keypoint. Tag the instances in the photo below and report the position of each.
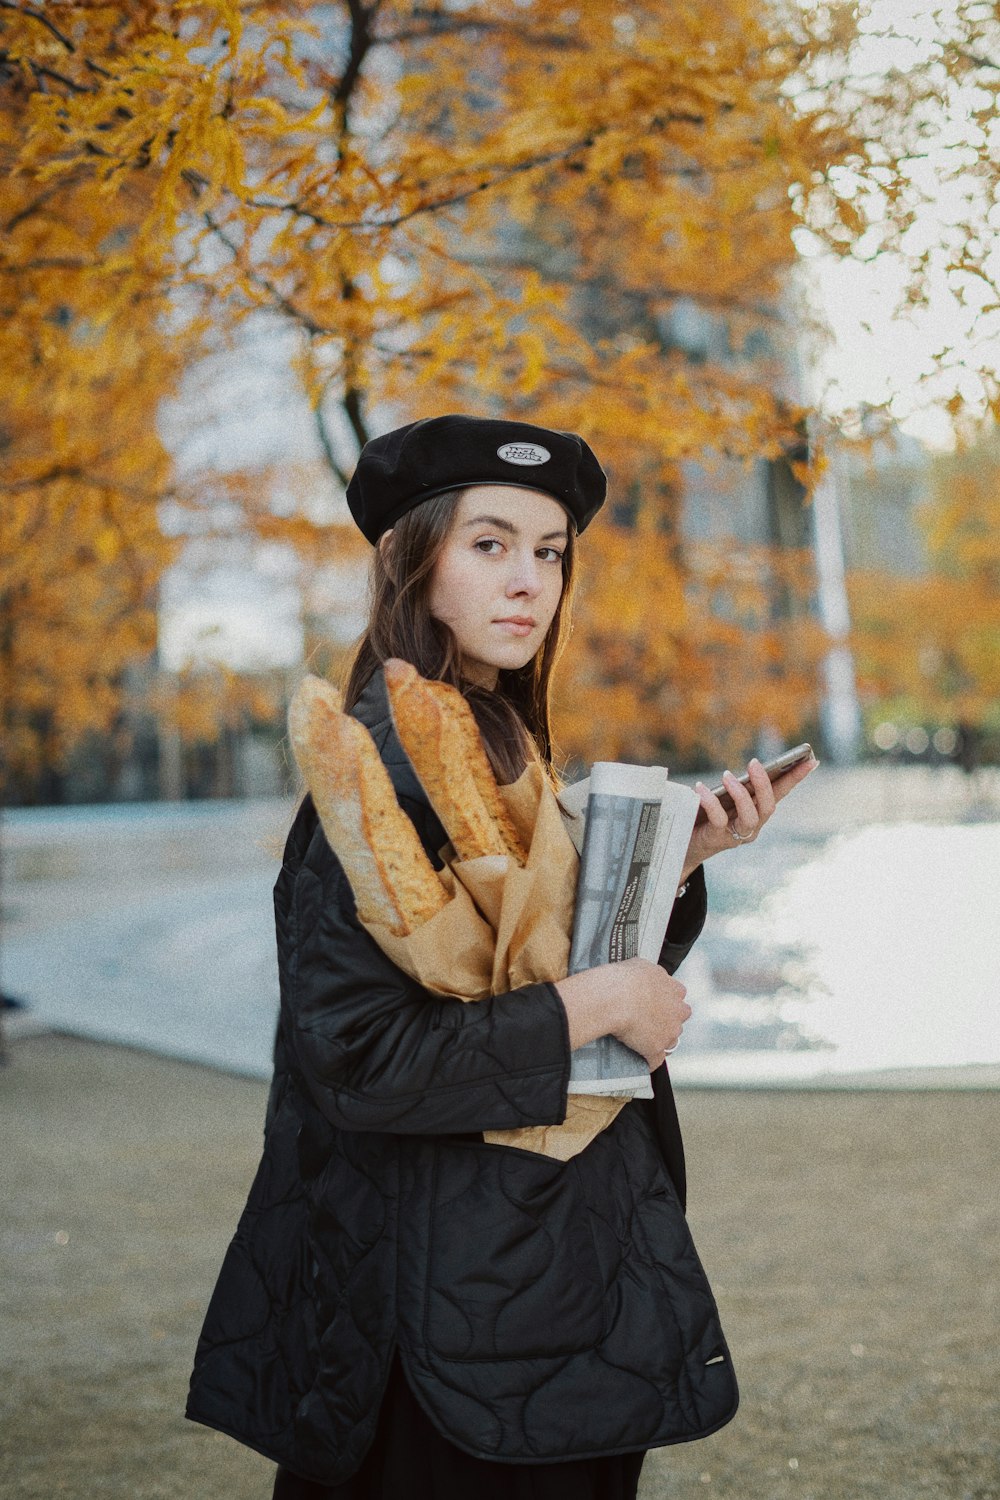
(406, 1310)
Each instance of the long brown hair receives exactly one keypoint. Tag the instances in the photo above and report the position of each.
(513, 719)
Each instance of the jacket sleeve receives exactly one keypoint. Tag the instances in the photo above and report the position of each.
(686, 921)
(379, 1052)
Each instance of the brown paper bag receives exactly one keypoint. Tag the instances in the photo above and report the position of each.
(501, 926)
(452, 953)
(508, 926)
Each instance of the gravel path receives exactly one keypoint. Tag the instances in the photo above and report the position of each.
(853, 1241)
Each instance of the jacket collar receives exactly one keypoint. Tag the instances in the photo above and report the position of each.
(372, 708)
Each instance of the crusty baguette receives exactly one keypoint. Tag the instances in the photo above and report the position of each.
(393, 881)
(438, 731)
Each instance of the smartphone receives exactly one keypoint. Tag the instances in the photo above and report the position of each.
(774, 769)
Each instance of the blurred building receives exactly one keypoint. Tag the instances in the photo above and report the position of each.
(766, 504)
(146, 758)
(881, 489)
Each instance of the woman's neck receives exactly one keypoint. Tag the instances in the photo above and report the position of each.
(480, 674)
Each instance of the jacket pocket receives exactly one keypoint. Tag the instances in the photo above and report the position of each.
(512, 1271)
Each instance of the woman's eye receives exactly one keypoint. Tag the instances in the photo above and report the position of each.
(552, 554)
(486, 544)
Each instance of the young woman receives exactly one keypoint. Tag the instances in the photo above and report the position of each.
(406, 1310)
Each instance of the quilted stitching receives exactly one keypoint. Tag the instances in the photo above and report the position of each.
(542, 1309)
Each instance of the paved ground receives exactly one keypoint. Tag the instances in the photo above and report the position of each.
(853, 1240)
(149, 925)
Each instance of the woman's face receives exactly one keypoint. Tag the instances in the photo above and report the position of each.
(499, 578)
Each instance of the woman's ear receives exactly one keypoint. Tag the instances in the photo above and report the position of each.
(385, 550)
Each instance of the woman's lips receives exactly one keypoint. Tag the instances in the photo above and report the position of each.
(517, 625)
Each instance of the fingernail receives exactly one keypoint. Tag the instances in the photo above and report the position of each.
(699, 786)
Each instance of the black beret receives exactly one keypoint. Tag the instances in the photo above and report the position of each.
(401, 469)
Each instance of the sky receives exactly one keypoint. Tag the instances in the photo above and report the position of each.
(877, 353)
(873, 355)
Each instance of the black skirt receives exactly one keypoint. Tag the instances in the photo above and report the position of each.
(410, 1460)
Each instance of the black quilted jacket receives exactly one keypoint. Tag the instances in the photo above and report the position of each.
(542, 1310)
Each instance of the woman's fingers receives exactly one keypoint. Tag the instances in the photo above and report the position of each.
(715, 813)
(790, 780)
(747, 817)
(753, 805)
(634, 999)
(763, 791)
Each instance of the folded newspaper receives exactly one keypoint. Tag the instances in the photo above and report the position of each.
(632, 826)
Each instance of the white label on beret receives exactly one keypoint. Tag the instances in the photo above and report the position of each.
(524, 453)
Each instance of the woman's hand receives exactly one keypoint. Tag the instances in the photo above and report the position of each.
(634, 1000)
(753, 805)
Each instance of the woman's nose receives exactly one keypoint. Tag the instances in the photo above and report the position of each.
(525, 578)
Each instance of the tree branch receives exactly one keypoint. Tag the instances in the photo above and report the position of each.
(352, 406)
(460, 196)
(277, 296)
(440, 23)
(36, 15)
(48, 262)
(75, 88)
(361, 41)
(74, 471)
(326, 443)
(645, 296)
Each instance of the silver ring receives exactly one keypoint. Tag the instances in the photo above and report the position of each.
(741, 838)
(668, 1050)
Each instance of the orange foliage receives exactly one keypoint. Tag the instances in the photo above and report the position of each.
(686, 656)
(934, 641)
(450, 206)
(81, 548)
(196, 704)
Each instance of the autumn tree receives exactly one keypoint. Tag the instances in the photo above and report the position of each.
(925, 193)
(86, 365)
(448, 206)
(928, 646)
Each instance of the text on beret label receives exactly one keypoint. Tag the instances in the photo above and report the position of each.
(524, 453)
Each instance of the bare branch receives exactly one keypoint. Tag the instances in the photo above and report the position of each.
(75, 88)
(102, 72)
(277, 296)
(326, 443)
(36, 206)
(449, 201)
(361, 41)
(36, 15)
(352, 406)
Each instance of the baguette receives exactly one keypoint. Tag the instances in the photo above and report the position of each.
(438, 731)
(393, 881)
